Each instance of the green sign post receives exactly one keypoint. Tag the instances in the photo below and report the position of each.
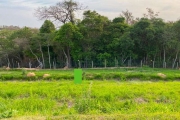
(77, 76)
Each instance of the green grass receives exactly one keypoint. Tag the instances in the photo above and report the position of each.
(90, 100)
(121, 93)
(122, 74)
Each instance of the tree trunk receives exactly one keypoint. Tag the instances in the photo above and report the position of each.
(175, 60)
(66, 58)
(36, 57)
(8, 60)
(49, 57)
(42, 55)
(123, 59)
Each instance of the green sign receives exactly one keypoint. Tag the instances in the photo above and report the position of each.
(77, 76)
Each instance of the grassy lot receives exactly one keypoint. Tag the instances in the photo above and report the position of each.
(121, 74)
(121, 93)
(90, 100)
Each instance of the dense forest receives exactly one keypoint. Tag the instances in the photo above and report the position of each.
(94, 41)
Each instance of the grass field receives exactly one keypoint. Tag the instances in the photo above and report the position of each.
(122, 74)
(92, 99)
(127, 98)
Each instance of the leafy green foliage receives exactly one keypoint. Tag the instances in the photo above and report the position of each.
(94, 38)
(47, 27)
(70, 38)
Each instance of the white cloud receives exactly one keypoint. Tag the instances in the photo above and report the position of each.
(20, 12)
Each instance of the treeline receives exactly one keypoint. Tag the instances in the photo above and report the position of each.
(94, 38)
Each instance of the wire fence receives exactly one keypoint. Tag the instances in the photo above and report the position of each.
(128, 63)
(93, 64)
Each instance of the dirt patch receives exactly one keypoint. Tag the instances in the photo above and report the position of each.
(140, 100)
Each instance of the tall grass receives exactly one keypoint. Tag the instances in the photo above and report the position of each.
(91, 99)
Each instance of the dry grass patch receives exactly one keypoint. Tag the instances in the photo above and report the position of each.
(161, 75)
(46, 75)
(31, 74)
(8, 68)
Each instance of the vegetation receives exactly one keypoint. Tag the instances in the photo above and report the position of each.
(93, 42)
(95, 38)
(91, 99)
(127, 93)
(120, 74)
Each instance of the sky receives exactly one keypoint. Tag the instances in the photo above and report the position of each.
(21, 12)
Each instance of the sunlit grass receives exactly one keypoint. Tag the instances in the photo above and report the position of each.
(91, 99)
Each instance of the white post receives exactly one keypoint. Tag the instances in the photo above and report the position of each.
(30, 64)
(141, 63)
(92, 64)
(18, 65)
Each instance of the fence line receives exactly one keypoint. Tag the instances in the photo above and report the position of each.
(97, 64)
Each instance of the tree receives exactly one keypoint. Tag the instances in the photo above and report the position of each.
(148, 38)
(6, 45)
(129, 18)
(176, 40)
(167, 36)
(159, 40)
(47, 30)
(23, 39)
(68, 35)
(63, 11)
(151, 14)
(92, 27)
(112, 39)
(37, 42)
(142, 34)
(47, 27)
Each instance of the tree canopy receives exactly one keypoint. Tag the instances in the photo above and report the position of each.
(94, 40)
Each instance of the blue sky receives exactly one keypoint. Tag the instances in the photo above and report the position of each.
(20, 12)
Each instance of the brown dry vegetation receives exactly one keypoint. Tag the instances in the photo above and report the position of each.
(161, 75)
(31, 74)
(46, 75)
